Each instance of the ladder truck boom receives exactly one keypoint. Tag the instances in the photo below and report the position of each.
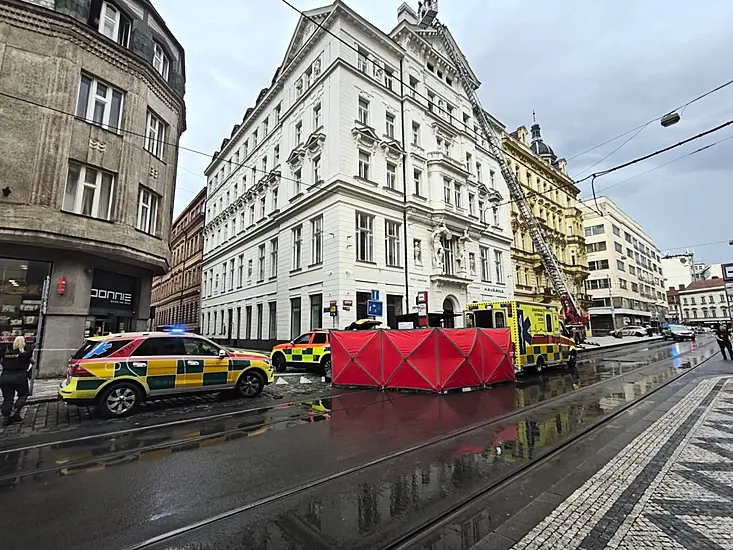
(573, 317)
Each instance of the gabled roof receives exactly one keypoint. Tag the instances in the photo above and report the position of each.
(704, 285)
(303, 30)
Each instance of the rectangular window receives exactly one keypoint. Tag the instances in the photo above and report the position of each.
(469, 162)
(364, 159)
(263, 206)
(161, 63)
(485, 272)
(297, 246)
(597, 265)
(616, 231)
(471, 204)
(261, 263)
(595, 247)
(265, 127)
(495, 211)
(89, 192)
(272, 320)
(362, 61)
(415, 133)
(389, 125)
(623, 284)
(317, 240)
(363, 111)
(248, 323)
(224, 277)
(388, 77)
(259, 321)
(481, 211)
(275, 193)
(99, 103)
(294, 318)
(298, 181)
(364, 237)
(499, 265)
(458, 192)
(254, 139)
(316, 311)
(240, 271)
(273, 258)
(632, 269)
(618, 247)
(391, 175)
(594, 230)
(417, 180)
(413, 86)
(316, 169)
(447, 191)
(298, 132)
(114, 24)
(276, 160)
(392, 242)
(317, 119)
(155, 135)
(147, 211)
(479, 172)
(620, 265)
(249, 270)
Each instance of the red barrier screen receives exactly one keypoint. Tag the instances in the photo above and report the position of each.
(424, 359)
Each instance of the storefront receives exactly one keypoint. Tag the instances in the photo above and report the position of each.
(22, 299)
(111, 303)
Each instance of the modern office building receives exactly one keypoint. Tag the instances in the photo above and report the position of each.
(554, 199)
(626, 281)
(176, 300)
(356, 182)
(90, 116)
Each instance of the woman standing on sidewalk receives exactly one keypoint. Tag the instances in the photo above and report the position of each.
(17, 364)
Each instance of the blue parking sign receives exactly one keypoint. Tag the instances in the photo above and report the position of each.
(374, 308)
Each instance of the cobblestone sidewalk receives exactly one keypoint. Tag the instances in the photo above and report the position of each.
(670, 488)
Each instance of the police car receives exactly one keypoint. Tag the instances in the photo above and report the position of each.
(310, 350)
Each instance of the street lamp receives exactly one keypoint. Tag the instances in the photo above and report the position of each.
(670, 119)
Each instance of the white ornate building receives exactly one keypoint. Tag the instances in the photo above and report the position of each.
(358, 170)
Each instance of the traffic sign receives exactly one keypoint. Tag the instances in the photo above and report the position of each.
(375, 295)
(374, 308)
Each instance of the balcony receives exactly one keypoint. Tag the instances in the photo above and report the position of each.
(440, 158)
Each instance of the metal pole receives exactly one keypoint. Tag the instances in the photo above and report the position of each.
(613, 311)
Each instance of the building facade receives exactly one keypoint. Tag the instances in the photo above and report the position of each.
(705, 303)
(356, 182)
(554, 199)
(90, 117)
(626, 281)
(176, 296)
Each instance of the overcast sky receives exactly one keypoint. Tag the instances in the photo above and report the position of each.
(591, 71)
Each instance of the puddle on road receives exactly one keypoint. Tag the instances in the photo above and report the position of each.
(349, 412)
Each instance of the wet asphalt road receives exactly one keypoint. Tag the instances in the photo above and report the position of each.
(299, 476)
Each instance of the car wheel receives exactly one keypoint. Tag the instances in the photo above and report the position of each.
(327, 369)
(118, 400)
(250, 384)
(279, 363)
(540, 365)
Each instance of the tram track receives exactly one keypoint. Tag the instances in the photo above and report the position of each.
(585, 358)
(453, 510)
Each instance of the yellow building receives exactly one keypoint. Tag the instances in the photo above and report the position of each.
(554, 199)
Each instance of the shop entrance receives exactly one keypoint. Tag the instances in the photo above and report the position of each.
(102, 326)
(22, 299)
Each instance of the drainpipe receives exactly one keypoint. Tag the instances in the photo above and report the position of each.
(404, 184)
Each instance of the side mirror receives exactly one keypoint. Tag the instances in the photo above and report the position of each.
(222, 354)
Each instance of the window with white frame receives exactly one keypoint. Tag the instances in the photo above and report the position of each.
(364, 111)
(389, 125)
(492, 181)
(362, 61)
(275, 197)
(249, 270)
(254, 139)
(147, 211)
(242, 221)
(252, 213)
(224, 277)
(391, 175)
(471, 204)
(298, 132)
(263, 206)
(481, 205)
(99, 103)
(276, 159)
(485, 270)
(231, 274)
(273, 257)
(458, 192)
(114, 24)
(161, 63)
(388, 77)
(297, 246)
(499, 265)
(447, 193)
(155, 135)
(495, 211)
(317, 240)
(449, 255)
(392, 242)
(265, 126)
(364, 159)
(317, 169)
(89, 192)
(364, 237)
(415, 133)
(297, 181)
(417, 181)
(317, 118)
(261, 263)
(240, 271)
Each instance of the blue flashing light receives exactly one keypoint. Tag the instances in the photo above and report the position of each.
(178, 330)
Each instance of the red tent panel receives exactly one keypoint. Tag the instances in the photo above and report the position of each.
(355, 358)
(409, 358)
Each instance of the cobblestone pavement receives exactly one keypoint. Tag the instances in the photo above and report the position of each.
(53, 415)
(670, 488)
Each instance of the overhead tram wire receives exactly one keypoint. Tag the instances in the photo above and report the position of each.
(642, 126)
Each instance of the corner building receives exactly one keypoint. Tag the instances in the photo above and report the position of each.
(90, 117)
(358, 172)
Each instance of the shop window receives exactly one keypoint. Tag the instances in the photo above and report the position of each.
(21, 290)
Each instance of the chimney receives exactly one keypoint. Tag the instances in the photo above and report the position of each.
(682, 287)
(406, 13)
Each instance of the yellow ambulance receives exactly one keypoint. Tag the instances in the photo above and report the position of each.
(537, 335)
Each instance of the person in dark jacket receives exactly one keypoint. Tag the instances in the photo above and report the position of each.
(722, 336)
(17, 364)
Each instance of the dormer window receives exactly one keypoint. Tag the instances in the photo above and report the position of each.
(161, 63)
(110, 21)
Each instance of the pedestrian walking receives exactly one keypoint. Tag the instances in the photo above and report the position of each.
(722, 336)
(16, 364)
